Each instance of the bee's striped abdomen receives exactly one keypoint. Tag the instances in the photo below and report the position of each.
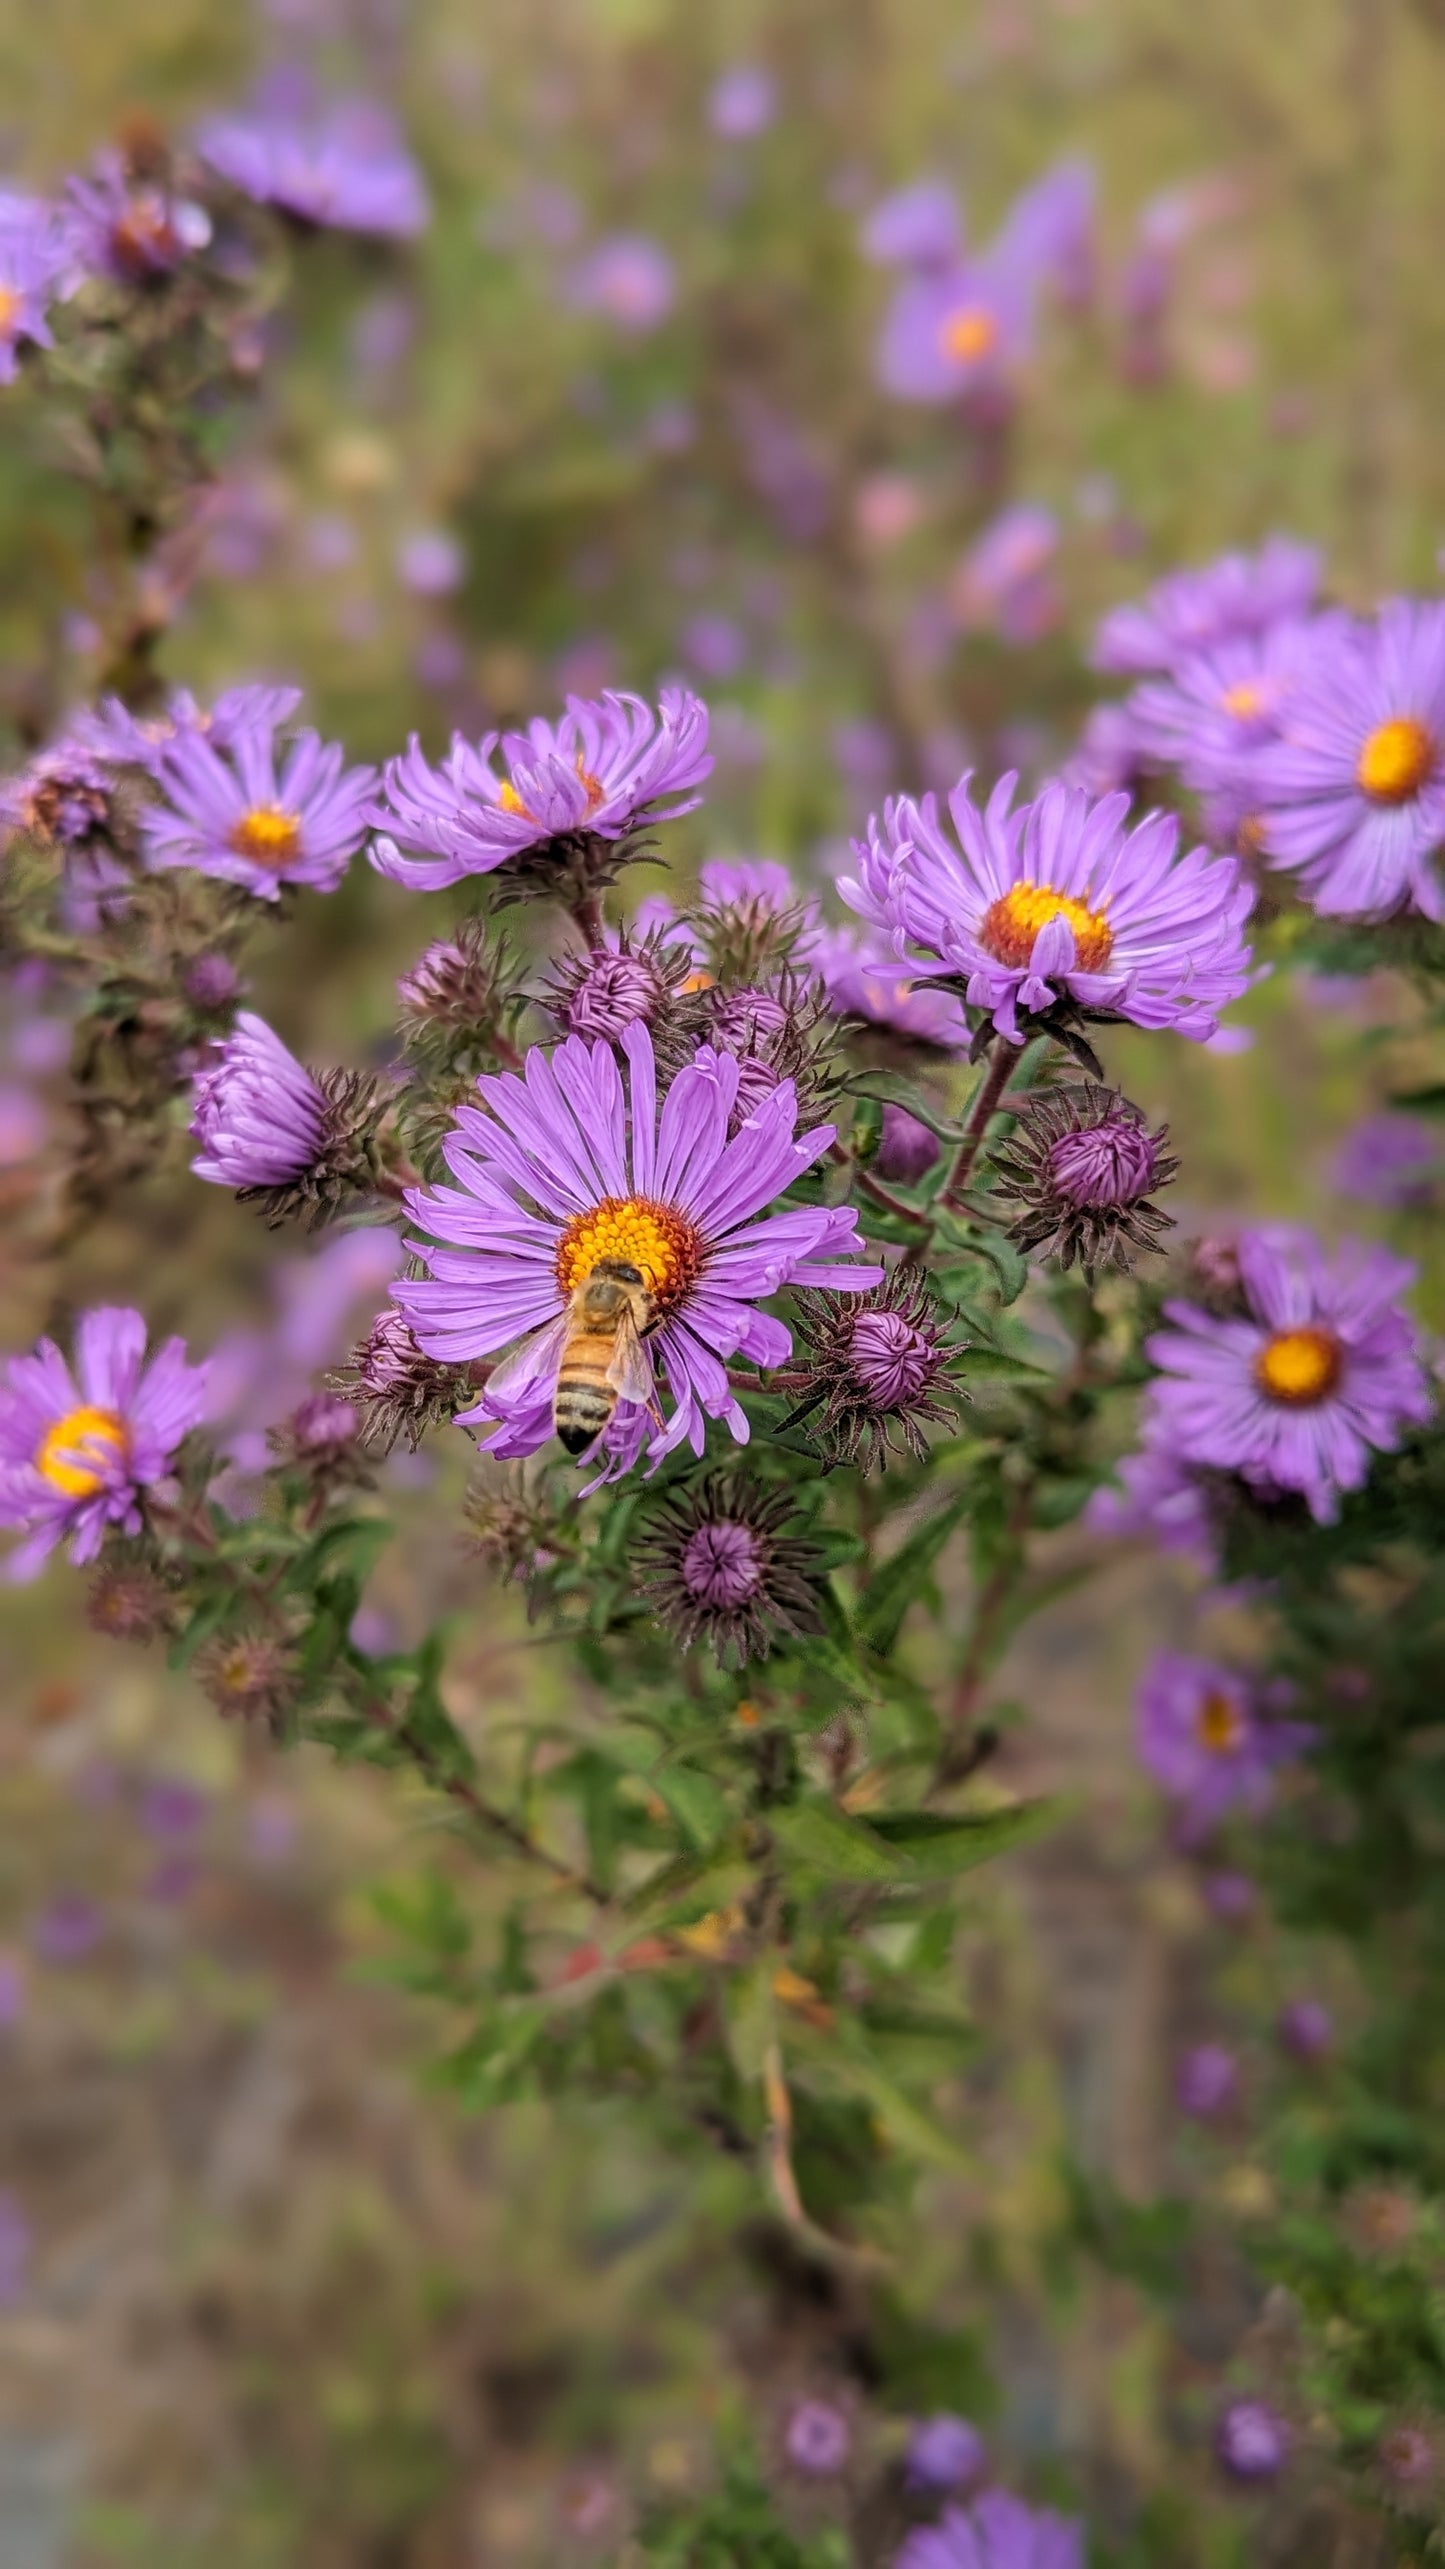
(584, 1400)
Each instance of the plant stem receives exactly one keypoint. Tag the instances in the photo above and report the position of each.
(460, 1789)
(1003, 1062)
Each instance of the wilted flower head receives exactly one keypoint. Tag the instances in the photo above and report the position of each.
(397, 1391)
(1191, 611)
(1251, 2440)
(271, 1131)
(64, 798)
(718, 1565)
(1204, 1740)
(1055, 901)
(78, 1456)
(241, 812)
(1207, 2081)
(248, 1676)
(1353, 791)
(1294, 1394)
(606, 769)
(630, 279)
(557, 1176)
(996, 2532)
(129, 1603)
(943, 2453)
(877, 1370)
(130, 227)
(344, 167)
(1084, 1164)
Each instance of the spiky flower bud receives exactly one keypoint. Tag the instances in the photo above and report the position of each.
(781, 1029)
(284, 1139)
(321, 1440)
(512, 1532)
(600, 993)
(877, 1366)
(394, 1390)
(459, 996)
(718, 1567)
(1084, 1164)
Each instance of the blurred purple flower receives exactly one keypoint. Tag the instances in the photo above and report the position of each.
(861, 978)
(1251, 2440)
(1203, 1740)
(949, 332)
(919, 227)
(818, 2438)
(1307, 2029)
(943, 2453)
(344, 167)
(1192, 611)
(1004, 579)
(172, 1808)
(431, 564)
(996, 2532)
(1048, 232)
(1230, 1897)
(131, 229)
(1219, 706)
(1207, 2081)
(1394, 1161)
(67, 1929)
(36, 269)
(630, 279)
(12, 1990)
(743, 103)
(907, 1150)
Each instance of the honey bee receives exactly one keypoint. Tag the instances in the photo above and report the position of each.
(600, 1355)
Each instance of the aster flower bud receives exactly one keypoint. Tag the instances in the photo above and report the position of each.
(778, 1030)
(320, 1440)
(283, 1139)
(393, 1390)
(610, 987)
(1084, 1164)
(877, 1367)
(906, 1149)
(459, 995)
(511, 1531)
(211, 982)
(718, 1567)
(127, 1602)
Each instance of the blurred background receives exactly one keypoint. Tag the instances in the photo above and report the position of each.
(266, 2298)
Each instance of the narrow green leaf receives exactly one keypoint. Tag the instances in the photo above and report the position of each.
(887, 1598)
(695, 1802)
(821, 1838)
(939, 1844)
(991, 1365)
(891, 1090)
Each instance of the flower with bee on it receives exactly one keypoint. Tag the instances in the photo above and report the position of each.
(558, 1178)
(878, 1371)
(718, 1565)
(1084, 1165)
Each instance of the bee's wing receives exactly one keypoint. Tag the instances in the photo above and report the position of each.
(532, 1363)
(630, 1372)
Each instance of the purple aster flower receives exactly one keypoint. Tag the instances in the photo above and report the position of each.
(919, 227)
(1307, 2029)
(111, 731)
(951, 331)
(1295, 1393)
(818, 2438)
(1191, 611)
(345, 167)
(1219, 705)
(601, 772)
(249, 818)
(1058, 900)
(1159, 1498)
(907, 1150)
(77, 1456)
(1353, 791)
(130, 228)
(943, 2453)
(860, 978)
(996, 2532)
(1110, 757)
(557, 1176)
(36, 270)
(1207, 2081)
(630, 279)
(67, 1929)
(267, 1128)
(743, 103)
(1004, 578)
(1048, 232)
(1251, 2440)
(1205, 1743)
(876, 1371)
(1394, 1161)
(1084, 1165)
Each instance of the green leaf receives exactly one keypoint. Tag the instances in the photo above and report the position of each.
(748, 2011)
(887, 1086)
(911, 2127)
(1011, 1269)
(695, 1802)
(938, 1844)
(349, 1548)
(825, 1841)
(991, 1365)
(888, 1596)
(204, 1624)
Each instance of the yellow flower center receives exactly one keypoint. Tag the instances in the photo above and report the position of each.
(1298, 1366)
(1219, 1725)
(1396, 760)
(10, 303)
(1243, 701)
(1012, 925)
(75, 1450)
(969, 333)
(660, 1242)
(267, 836)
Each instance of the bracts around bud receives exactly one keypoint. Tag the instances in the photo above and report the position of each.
(290, 1141)
(1083, 1164)
(395, 1391)
(878, 1371)
(718, 1566)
